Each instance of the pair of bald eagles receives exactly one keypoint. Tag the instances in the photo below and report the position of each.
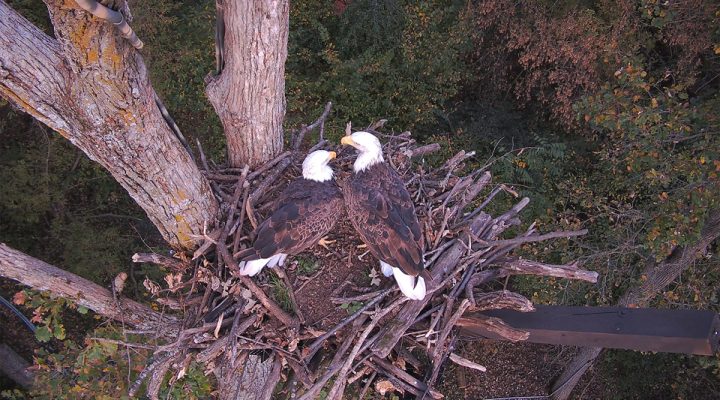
(378, 205)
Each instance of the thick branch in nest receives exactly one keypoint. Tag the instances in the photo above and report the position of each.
(479, 322)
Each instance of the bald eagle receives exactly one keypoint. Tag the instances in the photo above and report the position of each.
(383, 214)
(302, 215)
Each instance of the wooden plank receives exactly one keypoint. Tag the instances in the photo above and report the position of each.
(642, 329)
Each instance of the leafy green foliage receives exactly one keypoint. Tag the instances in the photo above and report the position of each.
(47, 312)
(281, 293)
(103, 368)
(662, 151)
(379, 59)
(61, 207)
(307, 265)
(179, 52)
(352, 307)
(659, 375)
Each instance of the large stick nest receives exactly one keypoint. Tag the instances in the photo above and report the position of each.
(258, 350)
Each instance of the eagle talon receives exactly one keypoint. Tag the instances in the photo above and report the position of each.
(325, 242)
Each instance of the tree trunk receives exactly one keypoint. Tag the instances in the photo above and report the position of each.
(249, 93)
(15, 367)
(248, 380)
(90, 85)
(659, 275)
(45, 277)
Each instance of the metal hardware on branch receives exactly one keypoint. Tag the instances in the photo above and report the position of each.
(115, 17)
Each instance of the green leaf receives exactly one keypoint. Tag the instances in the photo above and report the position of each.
(82, 310)
(43, 334)
(59, 332)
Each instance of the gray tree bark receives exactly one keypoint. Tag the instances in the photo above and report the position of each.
(42, 276)
(659, 275)
(249, 93)
(90, 85)
(15, 367)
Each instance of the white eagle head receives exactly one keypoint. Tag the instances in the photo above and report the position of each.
(316, 168)
(369, 148)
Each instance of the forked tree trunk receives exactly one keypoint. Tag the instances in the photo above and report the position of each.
(249, 93)
(90, 85)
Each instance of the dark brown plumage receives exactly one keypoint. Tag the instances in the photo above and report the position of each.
(302, 215)
(382, 212)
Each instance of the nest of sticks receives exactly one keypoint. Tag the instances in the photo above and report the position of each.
(256, 349)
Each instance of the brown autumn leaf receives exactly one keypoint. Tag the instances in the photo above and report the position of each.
(19, 298)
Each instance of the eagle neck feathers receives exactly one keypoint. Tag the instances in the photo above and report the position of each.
(366, 160)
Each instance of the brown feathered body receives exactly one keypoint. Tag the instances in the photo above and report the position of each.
(302, 215)
(383, 214)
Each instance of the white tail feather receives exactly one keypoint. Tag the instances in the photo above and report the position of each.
(275, 260)
(251, 268)
(407, 285)
(386, 268)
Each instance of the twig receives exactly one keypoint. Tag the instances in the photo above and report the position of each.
(362, 297)
(306, 129)
(268, 165)
(536, 238)
(241, 220)
(334, 366)
(150, 368)
(154, 258)
(367, 385)
(261, 189)
(291, 293)
(270, 305)
(122, 343)
(466, 363)
(339, 386)
(315, 346)
(391, 369)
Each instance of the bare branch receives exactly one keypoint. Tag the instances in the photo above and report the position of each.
(45, 277)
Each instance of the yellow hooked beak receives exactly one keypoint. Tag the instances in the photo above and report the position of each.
(348, 140)
(331, 155)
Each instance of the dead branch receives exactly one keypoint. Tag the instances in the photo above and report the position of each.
(502, 299)
(310, 351)
(537, 238)
(339, 386)
(45, 277)
(464, 362)
(158, 363)
(168, 262)
(479, 323)
(381, 365)
(424, 150)
(300, 135)
(570, 271)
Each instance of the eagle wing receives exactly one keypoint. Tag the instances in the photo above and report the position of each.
(304, 213)
(383, 214)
